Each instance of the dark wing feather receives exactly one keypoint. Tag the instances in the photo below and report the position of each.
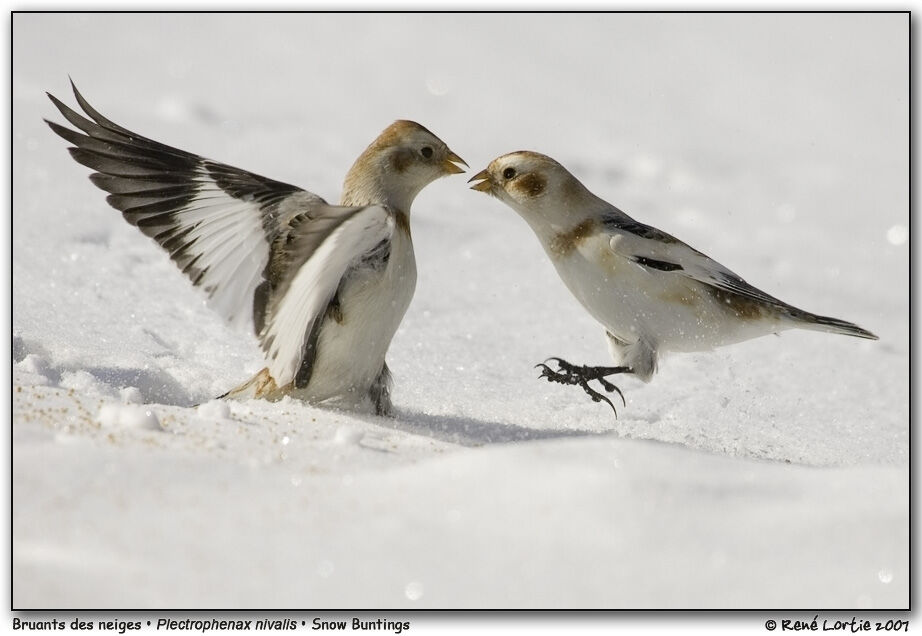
(652, 248)
(216, 222)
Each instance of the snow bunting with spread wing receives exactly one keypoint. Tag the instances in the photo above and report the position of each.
(325, 286)
(651, 292)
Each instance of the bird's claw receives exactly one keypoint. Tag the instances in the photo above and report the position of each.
(563, 365)
(562, 376)
(611, 387)
(567, 373)
(598, 397)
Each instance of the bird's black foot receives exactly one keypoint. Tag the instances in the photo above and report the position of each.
(581, 375)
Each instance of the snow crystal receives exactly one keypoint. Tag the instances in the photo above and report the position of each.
(83, 382)
(325, 569)
(645, 167)
(214, 410)
(348, 435)
(34, 364)
(127, 416)
(174, 109)
(414, 590)
(438, 85)
(897, 235)
(66, 437)
(130, 395)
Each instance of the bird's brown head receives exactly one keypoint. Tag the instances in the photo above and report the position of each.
(531, 183)
(405, 158)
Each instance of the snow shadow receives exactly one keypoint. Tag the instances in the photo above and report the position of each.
(20, 348)
(469, 431)
(155, 387)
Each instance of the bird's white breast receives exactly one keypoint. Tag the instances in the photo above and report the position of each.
(351, 353)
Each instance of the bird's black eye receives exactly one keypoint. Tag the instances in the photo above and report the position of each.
(508, 173)
(426, 151)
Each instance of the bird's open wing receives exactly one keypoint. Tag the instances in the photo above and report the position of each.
(216, 222)
(656, 250)
(311, 261)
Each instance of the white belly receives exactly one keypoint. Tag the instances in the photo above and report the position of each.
(670, 311)
(350, 354)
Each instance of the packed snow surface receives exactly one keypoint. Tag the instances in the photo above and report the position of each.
(773, 473)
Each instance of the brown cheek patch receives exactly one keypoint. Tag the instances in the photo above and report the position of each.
(566, 242)
(401, 160)
(531, 184)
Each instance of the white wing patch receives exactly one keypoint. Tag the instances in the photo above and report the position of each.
(692, 263)
(217, 222)
(314, 285)
(230, 246)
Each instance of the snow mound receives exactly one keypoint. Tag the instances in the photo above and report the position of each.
(214, 410)
(127, 416)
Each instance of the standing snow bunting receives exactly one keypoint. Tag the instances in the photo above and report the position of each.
(651, 292)
(325, 286)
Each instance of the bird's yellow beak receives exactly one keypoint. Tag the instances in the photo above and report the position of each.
(486, 183)
(449, 165)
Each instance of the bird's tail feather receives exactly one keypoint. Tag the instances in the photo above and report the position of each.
(834, 325)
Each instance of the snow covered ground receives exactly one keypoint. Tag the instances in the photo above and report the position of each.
(769, 474)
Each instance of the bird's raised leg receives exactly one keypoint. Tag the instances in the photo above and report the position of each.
(581, 375)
